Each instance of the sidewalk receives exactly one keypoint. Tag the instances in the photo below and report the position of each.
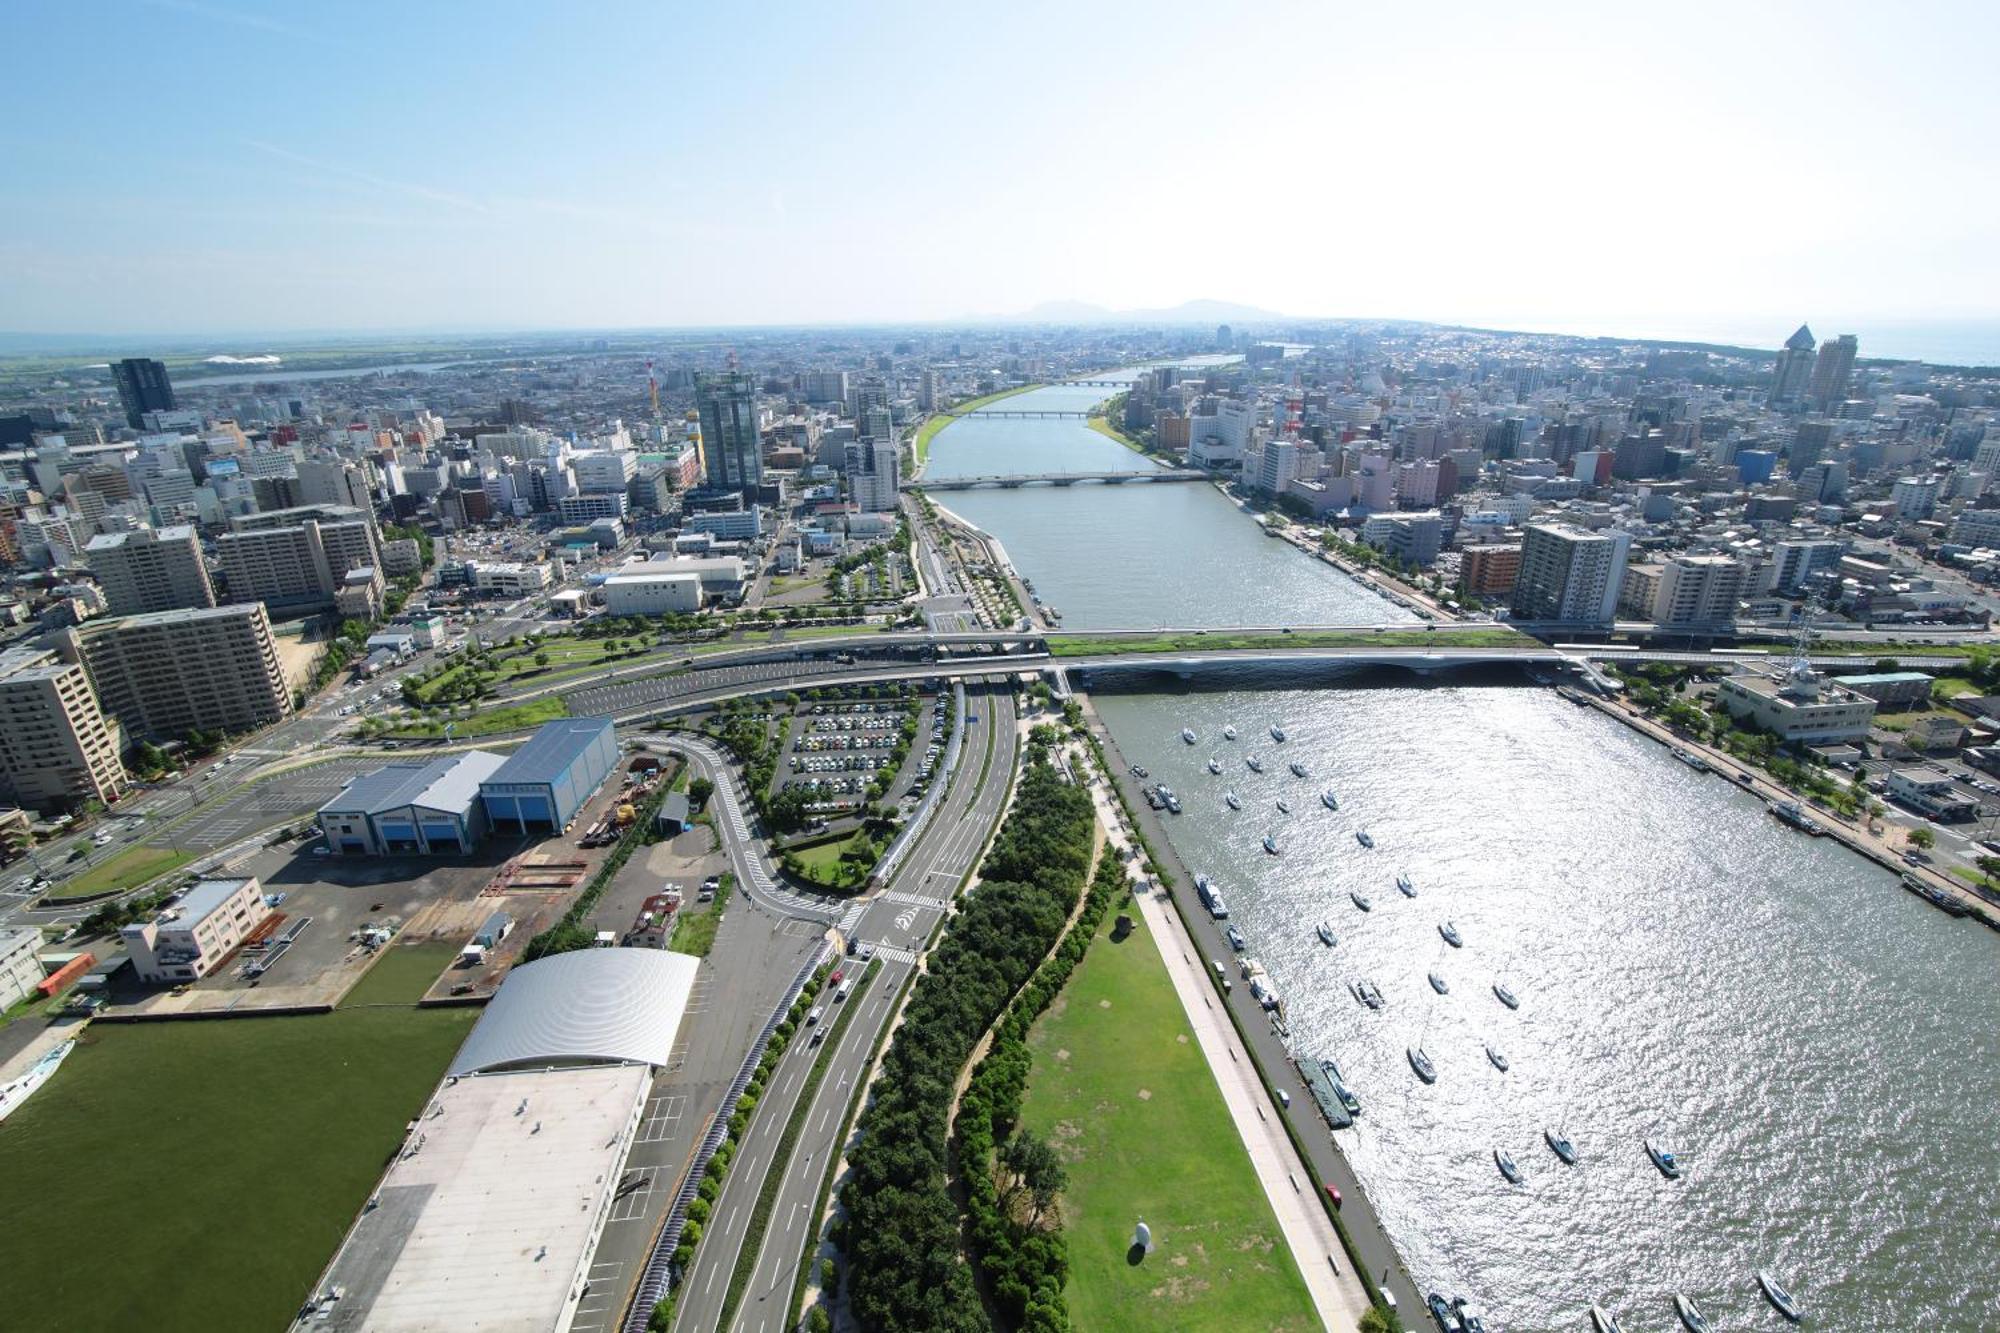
(1289, 1184)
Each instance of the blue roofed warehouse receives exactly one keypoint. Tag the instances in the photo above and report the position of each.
(545, 782)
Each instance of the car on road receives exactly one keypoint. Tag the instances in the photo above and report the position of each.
(1333, 1194)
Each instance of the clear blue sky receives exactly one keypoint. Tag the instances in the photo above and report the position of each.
(202, 165)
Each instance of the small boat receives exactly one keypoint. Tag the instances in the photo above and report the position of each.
(1441, 1314)
(1507, 997)
(1367, 992)
(1451, 935)
(1229, 732)
(1361, 836)
(1329, 800)
(17, 1090)
(1187, 734)
(1499, 1059)
(1277, 733)
(1507, 1166)
(1216, 907)
(1792, 813)
(1422, 1064)
(1691, 759)
(1696, 1321)
(1236, 940)
(1779, 1297)
(1338, 1082)
(1670, 1166)
(1403, 883)
(1299, 770)
(1173, 802)
(1284, 809)
(1139, 772)
(1360, 901)
(1215, 765)
(1560, 1145)
(1270, 844)
(1470, 1317)
(1438, 984)
(1603, 1321)
(1229, 798)
(1253, 763)
(1326, 935)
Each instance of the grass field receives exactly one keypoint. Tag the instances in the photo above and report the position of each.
(288, 1122)
(402, 974)
(490, 721)
(1103, 426)
(694, 933)
(1121, 1089)
(1081, 645)
(134, 865)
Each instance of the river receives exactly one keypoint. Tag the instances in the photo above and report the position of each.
(1820, 1048)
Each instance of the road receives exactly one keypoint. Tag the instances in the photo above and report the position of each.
(898, 921)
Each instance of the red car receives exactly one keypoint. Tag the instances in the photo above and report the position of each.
(833, 979)
(1333, 1193)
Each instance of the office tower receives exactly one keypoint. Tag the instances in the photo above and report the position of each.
(150, 570)
(927, 390)
(142, 387)
(55, 748)
(172, 672)
(1794, 368)
(1568, 574)
(1698, 590)
(872, 468)
(730, 447)
(1831, 371)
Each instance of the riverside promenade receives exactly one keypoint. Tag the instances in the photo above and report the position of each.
(1325, 1163)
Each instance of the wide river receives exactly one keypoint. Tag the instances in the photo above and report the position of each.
(1821, 1049)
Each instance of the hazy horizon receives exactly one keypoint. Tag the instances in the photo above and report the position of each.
(233, 171)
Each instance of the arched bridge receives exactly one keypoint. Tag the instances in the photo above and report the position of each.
(1059, 479)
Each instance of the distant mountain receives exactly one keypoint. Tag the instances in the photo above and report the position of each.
(1187, 312)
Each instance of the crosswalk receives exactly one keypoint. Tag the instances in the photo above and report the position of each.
(913, 899)
(894, 954)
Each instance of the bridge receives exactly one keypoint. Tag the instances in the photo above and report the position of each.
(1059, 479)
(988, 413)
(1094, 384)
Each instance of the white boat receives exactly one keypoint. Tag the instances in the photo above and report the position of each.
(1406, 885)
(1229, 732)
(1326, 935)
(13, 1093)
(1780, 1299)
(1507, 1166)
(1438, 984)
(1215, 765)
(1271, 844)
(1329, 800)
(1361, 901)
(1422, 1064)
(1229, 797)
(1253, 763)
(1363, 837)
(1663, 1158)
(1277, 733)
(1603, 1320)
(1299, 770)
(1499, 1060)
(1696, 1321)
(1283, 808)
(1449, 930)
(1187, 734)
(1507, 997)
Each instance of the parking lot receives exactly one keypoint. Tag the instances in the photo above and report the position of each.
(274, 800)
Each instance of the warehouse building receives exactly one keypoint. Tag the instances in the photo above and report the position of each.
(545, 782)
(649, 594)
(400, 809)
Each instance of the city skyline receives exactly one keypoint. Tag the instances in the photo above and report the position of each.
(1580, 173)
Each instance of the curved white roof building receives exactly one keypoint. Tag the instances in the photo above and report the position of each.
(593, 1006)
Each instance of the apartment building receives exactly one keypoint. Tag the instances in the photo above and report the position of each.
(1697, 590)
(171, 672)
(297, 558)
(1569, 574)
(191, 938)
(150, 570)
(1489, 569)
(55, 746)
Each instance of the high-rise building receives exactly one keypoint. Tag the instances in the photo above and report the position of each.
(1489, 570)
(332, 481)
(1698, 590)
(171, 672)
(730, 445)
(1809, 444)
(55, 747)
(1794, 369)
(142, 387)
(297, 558)
(927, 390)
(150, 570)
(824, 386)
(864, 395)
(1569, 574)
(1832, 369)
(872, 468)
(1797, 561)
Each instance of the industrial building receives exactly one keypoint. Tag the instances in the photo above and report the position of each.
(168, 673)
(398, 809)
(490, 1214)
(545, 782)
(644, 593)
(191, 938)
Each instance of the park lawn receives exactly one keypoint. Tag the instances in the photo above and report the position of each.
(134, 865)
(1083, 645)
(488, 721)
(1122, 1090)
(402, 974)
(289, 1122)
(1103, 426)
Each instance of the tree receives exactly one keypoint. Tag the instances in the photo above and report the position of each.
(1884, 665)
(1922, 839)
(699, 791)
(1989, 866)
(541, 658)
(1037, 1168)
(1374, 1321)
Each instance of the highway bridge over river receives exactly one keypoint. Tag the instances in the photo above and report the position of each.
(1014, 481)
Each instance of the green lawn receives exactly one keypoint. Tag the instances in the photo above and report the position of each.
(1104, 427)
(280, 1126)
(1121, 1088)
(694, 933)
(489, 721)
(402, 974)
(134, 865)
(1080, 645)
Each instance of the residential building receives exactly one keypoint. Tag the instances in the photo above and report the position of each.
(1791, 375)
(1831, 370)
(150, 569)
(20, 969)
(333, 481)
(423, 808)
(1915, 498)
(1411, 538)
(167, 673)
(297, 558)
(190, 939)
(1569, 574)
(1489, 569)
(1795, 562)
(730, 443)
(873, 466)
(1697, 590)
(1277, 466)
(1797, 705)
(1977, 527)
(143, 387)
(826, 386)
(1639, 590)
(55, 746)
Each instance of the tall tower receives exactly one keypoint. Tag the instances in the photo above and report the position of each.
(1794, 368)
(142, 387)
(1831, 371)
(730, 447)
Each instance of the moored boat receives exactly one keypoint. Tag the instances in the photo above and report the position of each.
(1283, 808)
(1405, 885)
(1229, 732)
(1253, 763)
(1451, 935)
(17, 1091)
(1559, 1144)
(1507, 1166)
(1779, 1298)
(1277, 733)
(1230, 799)
(1498, 1058)
(1363, 837)
(1506, 996)
(1214, 765)
(1236, 940)
(1603, 1321)
(1270, 844)
(1442, 1315)
(1187, 734)
(1696, 1321)
(1329, 800)
(1438, 984)
(1360, 901)
(1299, 770)
(1326, 935)
(1670, 1165)
(1422, 1064)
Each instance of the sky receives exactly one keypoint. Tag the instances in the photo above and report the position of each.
(222, 166)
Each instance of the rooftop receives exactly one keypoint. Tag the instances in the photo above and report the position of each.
(551, 750)
(591, 1006)
(201, 899)
(447, 783)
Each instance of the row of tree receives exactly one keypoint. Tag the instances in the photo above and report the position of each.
(901, 1231)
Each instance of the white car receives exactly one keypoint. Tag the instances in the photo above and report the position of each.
(25, 882)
